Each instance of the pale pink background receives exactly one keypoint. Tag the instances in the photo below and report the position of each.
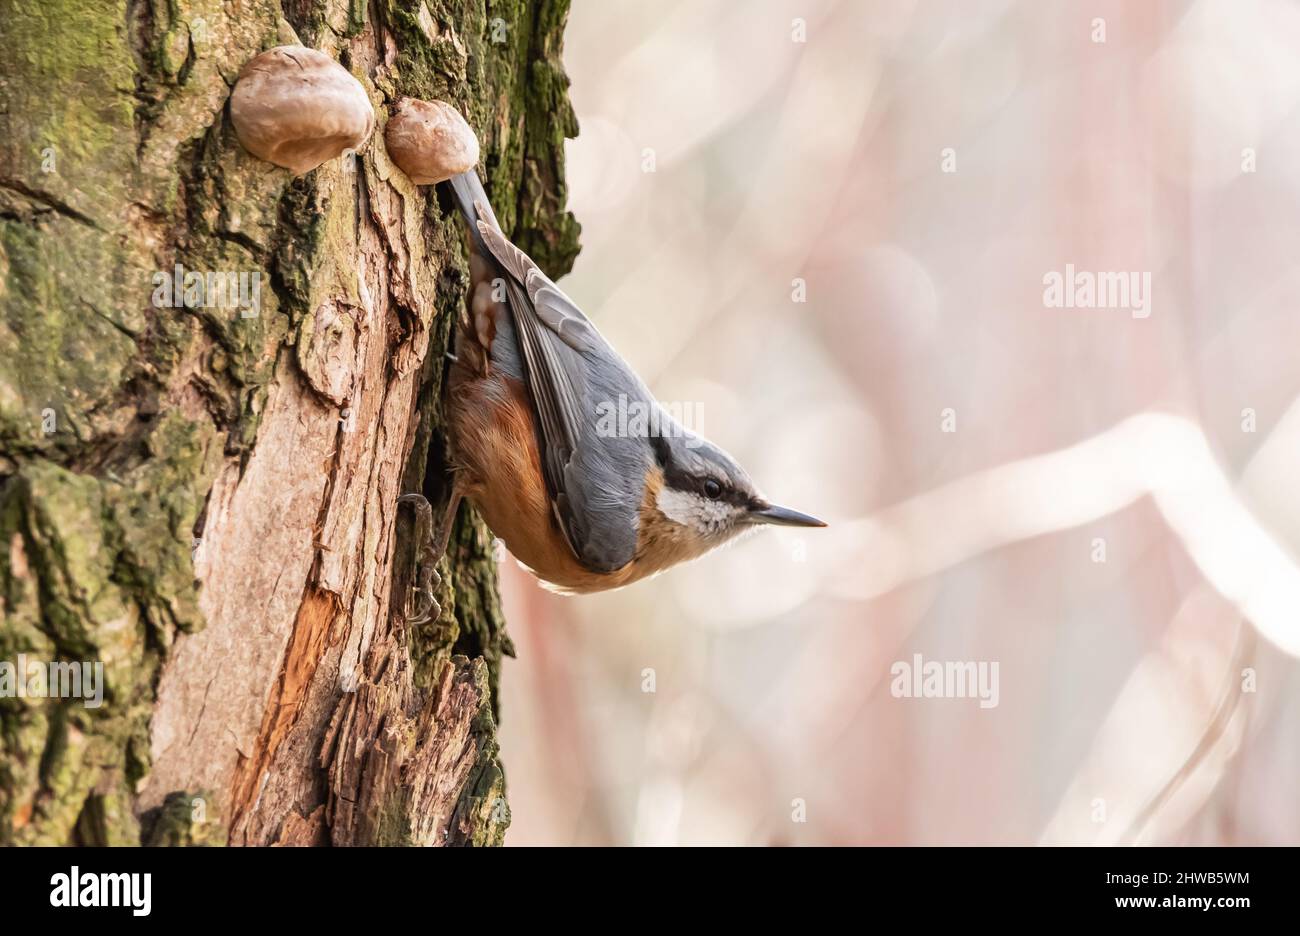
(1122, 716)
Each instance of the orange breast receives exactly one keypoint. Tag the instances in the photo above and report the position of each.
(494, 449)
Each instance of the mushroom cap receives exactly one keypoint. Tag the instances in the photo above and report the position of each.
(430, 141)
(297, 108)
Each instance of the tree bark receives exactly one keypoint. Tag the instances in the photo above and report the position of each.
(205, 500)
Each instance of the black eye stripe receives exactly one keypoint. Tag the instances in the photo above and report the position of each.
(726, 493)
(680, 480)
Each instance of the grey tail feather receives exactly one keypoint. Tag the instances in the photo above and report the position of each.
(468, 190)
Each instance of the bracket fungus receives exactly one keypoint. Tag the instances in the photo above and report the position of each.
(297, 108)
(430, 141)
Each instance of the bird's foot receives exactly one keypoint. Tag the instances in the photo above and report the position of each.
(422, 605)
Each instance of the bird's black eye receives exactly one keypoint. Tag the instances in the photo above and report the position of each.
(712, 489)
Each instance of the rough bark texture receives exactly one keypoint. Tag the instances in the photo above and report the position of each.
(206, 502)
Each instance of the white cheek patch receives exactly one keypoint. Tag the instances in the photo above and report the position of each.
(693, 511)
(677, 506)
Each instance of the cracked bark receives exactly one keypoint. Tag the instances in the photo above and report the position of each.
(206, 502)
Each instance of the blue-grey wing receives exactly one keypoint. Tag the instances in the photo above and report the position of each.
(594, 474)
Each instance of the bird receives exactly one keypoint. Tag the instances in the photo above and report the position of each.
(582, 505)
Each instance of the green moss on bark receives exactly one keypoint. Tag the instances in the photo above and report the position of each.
(117, 163)
(183, 820)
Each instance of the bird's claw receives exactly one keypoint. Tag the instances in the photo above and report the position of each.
(426, 605)
(427, 579)
(423, 509)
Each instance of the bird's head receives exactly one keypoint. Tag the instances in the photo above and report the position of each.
(699, 498)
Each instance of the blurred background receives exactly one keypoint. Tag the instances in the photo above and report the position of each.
(822, 228)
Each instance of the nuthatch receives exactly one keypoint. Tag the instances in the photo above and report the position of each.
(583, 508)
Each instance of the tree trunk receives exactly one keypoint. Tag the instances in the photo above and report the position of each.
(204, 500)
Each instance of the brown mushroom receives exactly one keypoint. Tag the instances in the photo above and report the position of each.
(297, 108)
(430, 141)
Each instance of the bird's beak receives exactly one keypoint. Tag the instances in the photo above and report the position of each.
(783, 516)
